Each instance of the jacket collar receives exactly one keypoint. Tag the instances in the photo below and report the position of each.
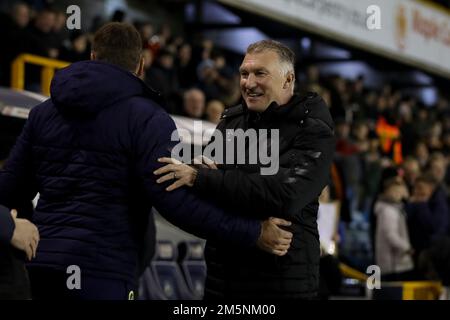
(291, 111)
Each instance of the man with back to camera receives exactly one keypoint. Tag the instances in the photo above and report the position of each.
(306, 148)
(90, 152)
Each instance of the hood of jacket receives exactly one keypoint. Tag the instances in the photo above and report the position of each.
(85, 88)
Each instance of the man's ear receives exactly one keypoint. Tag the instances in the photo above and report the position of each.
(289, 81)
(140, 69)
(93, 55)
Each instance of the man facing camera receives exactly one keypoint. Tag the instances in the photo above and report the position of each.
(304, 150)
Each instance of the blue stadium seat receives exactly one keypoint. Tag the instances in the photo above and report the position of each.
(167, 273)
(149, 288)
(193, 265)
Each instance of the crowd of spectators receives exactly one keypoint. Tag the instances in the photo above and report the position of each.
(193, 78)
(392, 169)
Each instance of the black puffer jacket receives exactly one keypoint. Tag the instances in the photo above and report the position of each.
(306, 150)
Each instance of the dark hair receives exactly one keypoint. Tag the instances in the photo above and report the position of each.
(118, 43)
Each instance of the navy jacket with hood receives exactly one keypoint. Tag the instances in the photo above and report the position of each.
(90, 152)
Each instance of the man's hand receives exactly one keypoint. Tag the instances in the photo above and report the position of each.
(25, 236)
(175, 170)
(204, 162)
(273, 239)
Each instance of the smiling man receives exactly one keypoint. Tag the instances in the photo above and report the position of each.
(263, 81)
(306, 147)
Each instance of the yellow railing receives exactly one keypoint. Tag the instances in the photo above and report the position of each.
(48, 70)
(411, 290)
(352, 273)
(422, 290)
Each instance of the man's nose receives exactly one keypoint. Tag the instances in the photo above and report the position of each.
(251, 82)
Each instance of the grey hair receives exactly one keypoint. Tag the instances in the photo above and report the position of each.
(285, 54)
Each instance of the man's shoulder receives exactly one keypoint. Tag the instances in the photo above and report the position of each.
(142, 106)
(143, 109)
(233, 112)
(41, 109)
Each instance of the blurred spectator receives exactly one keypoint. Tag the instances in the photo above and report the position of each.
(208, 79)
(427, 213)
(442, 107)
(421, 153)
(347, 158)
(437, 167)
(194, 103)
(411, 170)
(390, 136)
(407, 125)
(434, 137)
(162, 77)
(148, 58)
(165, 34)
(78, 49)
(40, 38)
(312, 76)
(146, 30)
(61, 33)
(21, 14)
(370, 106)
(361, 134)
(393, 251)
(185, 67)
(214, 110)
(372, 168)
(336, 86)
(422, 123)
(12, 26)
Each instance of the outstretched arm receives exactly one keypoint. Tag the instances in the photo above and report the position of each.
(284, 193)
(151, 140)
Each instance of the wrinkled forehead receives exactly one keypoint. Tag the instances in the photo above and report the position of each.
(266, 59)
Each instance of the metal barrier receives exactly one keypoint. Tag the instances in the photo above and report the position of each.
(48, 70)
(405, 290)
(421, 290)
(352, 273)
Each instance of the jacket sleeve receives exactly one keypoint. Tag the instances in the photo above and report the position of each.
(6, 226)
(289, 190)
(16, 178)
(387, 222)
(152, 140)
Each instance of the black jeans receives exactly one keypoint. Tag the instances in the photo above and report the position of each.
(14, 283)
(51, 284)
